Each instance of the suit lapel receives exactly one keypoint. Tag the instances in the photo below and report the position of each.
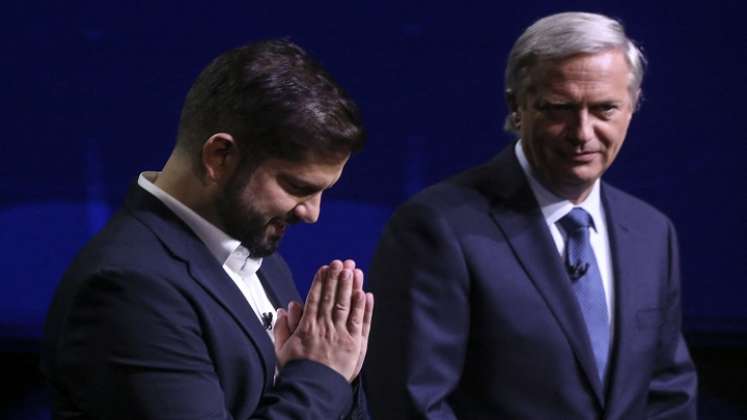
(627, 252)
(203, 267)
(520, 219)
(217, 283)
(264, 278)
(277, 281)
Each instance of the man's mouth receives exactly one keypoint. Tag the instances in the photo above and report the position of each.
(582, 157)
(280, 224)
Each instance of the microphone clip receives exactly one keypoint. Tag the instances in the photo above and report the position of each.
(267, 320)
(577, 270)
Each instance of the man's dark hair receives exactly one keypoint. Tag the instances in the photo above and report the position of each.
(275, 100)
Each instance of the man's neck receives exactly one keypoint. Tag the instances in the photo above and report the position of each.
(574, 193)
(179, 180)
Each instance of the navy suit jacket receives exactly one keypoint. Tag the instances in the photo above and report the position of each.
(147, 325)
(481, 322)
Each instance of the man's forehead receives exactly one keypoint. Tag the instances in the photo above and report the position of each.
(604, 69)
(612, 60)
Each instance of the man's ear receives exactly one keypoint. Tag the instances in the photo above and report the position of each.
(513, 106)
(220, 156)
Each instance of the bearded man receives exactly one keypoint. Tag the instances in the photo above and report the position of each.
(170, 311)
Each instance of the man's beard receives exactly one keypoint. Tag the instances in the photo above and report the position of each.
(245, 223)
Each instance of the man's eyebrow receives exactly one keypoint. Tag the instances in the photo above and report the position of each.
(555, 103)
(608, 102)
(553, 98)
(300, 183)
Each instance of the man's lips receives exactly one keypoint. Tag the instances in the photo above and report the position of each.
(279, 226)
(582, 157)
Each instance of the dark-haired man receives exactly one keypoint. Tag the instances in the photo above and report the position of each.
(170, 311)
(527, 288)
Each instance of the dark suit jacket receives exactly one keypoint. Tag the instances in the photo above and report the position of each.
(147, 325)
(480, 320)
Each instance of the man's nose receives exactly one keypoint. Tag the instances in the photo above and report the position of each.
(308, 210)
(583, 130)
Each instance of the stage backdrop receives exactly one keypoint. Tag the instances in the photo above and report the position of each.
(92, 92)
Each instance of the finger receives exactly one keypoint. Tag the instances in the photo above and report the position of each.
(329, 290)
(342, 299)
(365, 330)
(349, 264)
(367, 315)
(315, 293)
(358, 279)
(281, 332)
(357, 309)
(295, 310)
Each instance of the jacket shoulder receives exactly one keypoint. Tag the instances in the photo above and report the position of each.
(456, 193)
(632, 206)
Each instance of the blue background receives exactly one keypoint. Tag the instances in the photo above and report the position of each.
(92, 93)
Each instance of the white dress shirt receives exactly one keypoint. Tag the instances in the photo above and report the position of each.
(229, 252)
(555, 208)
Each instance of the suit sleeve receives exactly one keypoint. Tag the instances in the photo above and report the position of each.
(420, 327)
(133, 348)
(673, 388)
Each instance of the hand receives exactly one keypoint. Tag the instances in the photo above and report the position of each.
(333, 326)
(367, 314)
(295, 309)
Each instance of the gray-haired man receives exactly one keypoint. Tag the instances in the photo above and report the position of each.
(527, 287)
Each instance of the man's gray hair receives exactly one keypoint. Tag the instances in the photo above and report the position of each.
(564, 35)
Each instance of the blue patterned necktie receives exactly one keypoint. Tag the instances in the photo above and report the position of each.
(587, 283)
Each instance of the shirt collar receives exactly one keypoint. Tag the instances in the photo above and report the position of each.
(554, 207)
(220, 244)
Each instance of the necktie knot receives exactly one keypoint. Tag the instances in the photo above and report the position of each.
(576, 219)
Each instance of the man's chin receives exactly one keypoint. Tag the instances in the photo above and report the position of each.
(265, 248)
(579, 175)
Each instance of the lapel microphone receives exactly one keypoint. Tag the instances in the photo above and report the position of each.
(267, 320)
(577, 270)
